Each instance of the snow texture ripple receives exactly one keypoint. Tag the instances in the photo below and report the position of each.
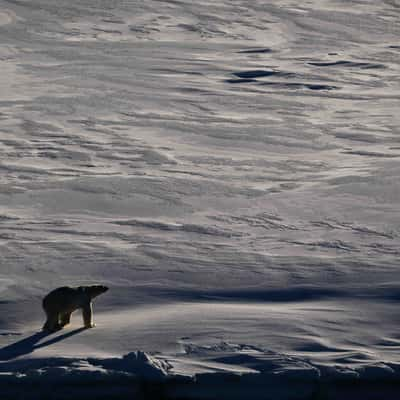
(230, 169)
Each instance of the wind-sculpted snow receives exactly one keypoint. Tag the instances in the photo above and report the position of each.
(230, 169)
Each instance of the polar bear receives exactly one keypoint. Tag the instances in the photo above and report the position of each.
(63, 301)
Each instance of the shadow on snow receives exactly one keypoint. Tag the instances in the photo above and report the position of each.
(31, 343)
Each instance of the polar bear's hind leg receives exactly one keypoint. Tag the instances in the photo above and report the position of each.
(51, 324)
(65, 318)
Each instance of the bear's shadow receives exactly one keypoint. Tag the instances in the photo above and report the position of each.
(31, 343)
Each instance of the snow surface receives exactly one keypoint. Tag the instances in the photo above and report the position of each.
(230, 169)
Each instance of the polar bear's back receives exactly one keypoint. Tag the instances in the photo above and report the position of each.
(64, 297)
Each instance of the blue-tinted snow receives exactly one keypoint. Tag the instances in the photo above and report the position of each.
(229, 168)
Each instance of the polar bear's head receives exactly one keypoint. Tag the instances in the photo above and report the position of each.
(95, 290)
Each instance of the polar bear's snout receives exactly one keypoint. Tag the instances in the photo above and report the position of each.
(95, 290)
(99, 287)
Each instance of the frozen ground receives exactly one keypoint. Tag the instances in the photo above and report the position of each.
(230, 169)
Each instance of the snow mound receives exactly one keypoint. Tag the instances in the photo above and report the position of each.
(138, 363)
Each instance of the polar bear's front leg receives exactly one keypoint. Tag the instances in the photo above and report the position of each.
(87, 313)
